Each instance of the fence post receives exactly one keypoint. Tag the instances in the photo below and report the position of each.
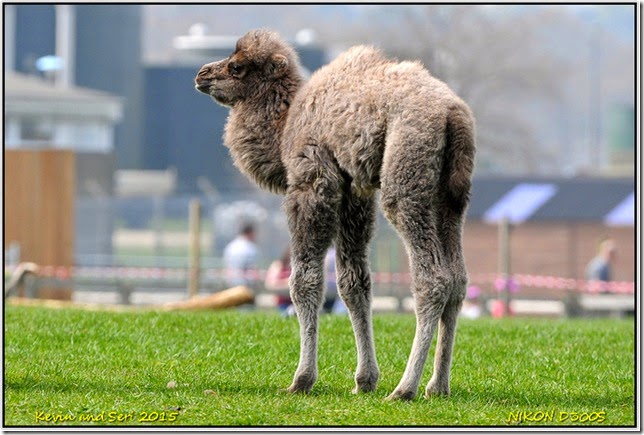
(504, 261)
(159, 202)
(194, 261)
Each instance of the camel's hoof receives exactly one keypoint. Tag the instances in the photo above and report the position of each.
(302, 384)
(363, 389)
(295, 389)
(401, 395)
(366, 383)
(435, 389)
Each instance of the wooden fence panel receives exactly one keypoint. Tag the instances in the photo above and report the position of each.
(39, 208)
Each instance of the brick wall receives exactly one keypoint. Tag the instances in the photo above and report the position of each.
(558, 249)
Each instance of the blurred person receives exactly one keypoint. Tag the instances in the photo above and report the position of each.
(277, 280)
(241, 256)
(277, 277)
(599, 268)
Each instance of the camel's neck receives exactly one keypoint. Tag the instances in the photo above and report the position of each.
(253, 135)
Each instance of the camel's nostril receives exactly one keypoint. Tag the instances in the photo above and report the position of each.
(205, 71)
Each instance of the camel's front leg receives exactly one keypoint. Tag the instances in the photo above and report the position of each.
(312, 218)
(307, 294)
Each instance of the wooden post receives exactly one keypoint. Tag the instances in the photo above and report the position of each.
(504, 260)
(572, 297)
(158, 203)
(194, 259)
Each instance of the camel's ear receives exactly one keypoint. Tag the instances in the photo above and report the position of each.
(277, 66)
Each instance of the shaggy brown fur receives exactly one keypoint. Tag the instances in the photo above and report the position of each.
(361, 123)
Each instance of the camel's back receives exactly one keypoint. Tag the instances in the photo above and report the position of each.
(350, 105)
(362, 86)
(351, 68)
(356, 76)
(364, 75)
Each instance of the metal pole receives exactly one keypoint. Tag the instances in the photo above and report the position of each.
(595, 98)
(195, 247)
(65, 43)
(504, 260)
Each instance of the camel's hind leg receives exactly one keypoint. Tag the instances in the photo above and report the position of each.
(439, 383)
(357, 215)
(451, 222)
(411, 200)
(430, 288)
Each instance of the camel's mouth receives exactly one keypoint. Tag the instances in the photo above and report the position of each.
(203, 87)
(217, 94)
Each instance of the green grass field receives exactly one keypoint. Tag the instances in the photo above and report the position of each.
(64, 367)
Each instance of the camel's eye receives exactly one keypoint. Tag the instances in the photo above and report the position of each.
(235, 69)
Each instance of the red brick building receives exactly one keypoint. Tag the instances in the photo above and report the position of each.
(556, 225)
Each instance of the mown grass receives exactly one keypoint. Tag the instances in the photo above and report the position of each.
(229, 368)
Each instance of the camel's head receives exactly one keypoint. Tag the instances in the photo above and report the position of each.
(260, 58)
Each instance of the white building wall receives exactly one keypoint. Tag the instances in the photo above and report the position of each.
(12, 132)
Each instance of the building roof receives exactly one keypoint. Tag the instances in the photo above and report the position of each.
(29, 95)
(611, 201)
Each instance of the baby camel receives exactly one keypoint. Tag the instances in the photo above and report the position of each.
(361, 123)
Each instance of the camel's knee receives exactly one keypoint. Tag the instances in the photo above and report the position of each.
(459, 289)
(354, 281)
(432, 293)
(306, 284)
(311, 222)
(356, 301)
(440, 295)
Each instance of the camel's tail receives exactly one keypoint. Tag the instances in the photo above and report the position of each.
(459, 156)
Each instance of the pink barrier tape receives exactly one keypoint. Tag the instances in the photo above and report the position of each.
(554, 282)
(499, 282)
